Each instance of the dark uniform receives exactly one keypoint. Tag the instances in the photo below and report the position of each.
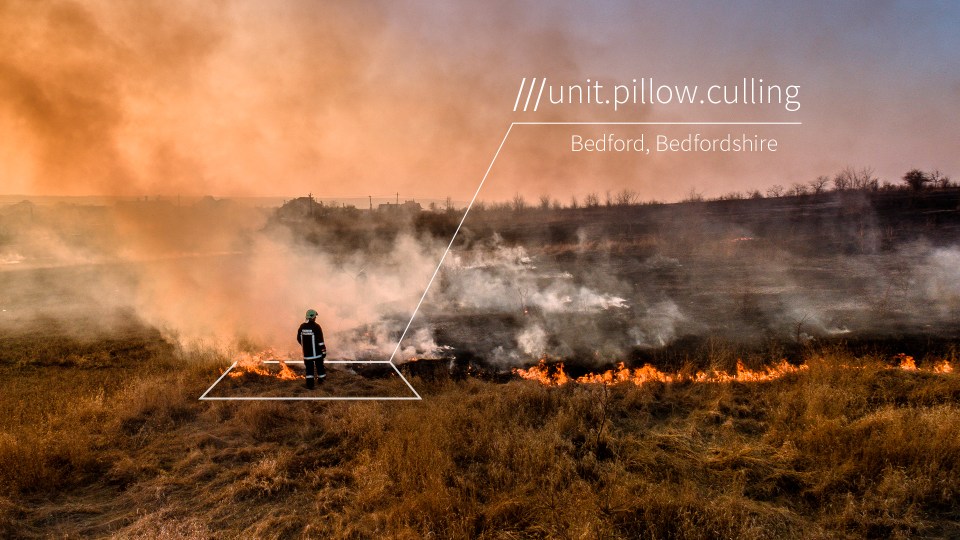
(310, 336)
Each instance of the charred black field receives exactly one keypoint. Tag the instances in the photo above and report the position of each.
(855, 295)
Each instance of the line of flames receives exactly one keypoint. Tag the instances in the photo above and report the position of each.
(907, 363)
(556, 375)
(254, 363)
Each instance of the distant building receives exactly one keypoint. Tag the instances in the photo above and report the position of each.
(301, 208)
(411, 207)
(307, 208)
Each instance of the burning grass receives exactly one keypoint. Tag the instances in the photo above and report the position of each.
(555, 375)
(849, 446)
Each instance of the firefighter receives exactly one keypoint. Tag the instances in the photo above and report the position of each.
(310, 336)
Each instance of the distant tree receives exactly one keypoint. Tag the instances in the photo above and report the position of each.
(518, 203)
(755, 194)
(887, 186)
(915, 178)
(591, 200)
(609, 199)
(544, 202)
(843, 180)
(556, 204)
(819, 185)
(573, 202)
(939, 180)
(731, 196)
(694, 196)
(864, 179)
(798, 189)
(627, 197)
(775, 190)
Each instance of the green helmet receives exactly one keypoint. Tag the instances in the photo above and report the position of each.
(311, 314)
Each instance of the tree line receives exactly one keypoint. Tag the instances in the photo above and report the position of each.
(847, 179)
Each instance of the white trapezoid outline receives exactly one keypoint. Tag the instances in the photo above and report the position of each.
(414, 397)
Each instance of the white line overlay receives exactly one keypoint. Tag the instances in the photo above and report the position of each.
(450, 245)
(414, 397)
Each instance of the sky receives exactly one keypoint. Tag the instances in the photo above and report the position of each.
(255, 98)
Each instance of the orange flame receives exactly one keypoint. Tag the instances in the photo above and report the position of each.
(557, 376)
(254, 363)
(286, 373)
(906, 362)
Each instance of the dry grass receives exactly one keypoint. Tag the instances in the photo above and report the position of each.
(124, 449)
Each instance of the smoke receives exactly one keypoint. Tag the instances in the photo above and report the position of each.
(658, 326)
(211, 272)
(241, 98)
(226, 274)
(503, 278)
(247, 98)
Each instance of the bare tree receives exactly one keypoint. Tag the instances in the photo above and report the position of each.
(819, 185)
(939, 180)
(916, 179)
(627, 197)
(544, 202)
(518, 203)
(609, 199)
(775, 190)
(591, 200)
(694, 196)
(798, 189)
(864, 179)
(843, 180)
(573, 202)
(755, 194)
(799, 333)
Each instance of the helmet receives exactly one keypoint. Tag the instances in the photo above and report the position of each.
(311, 314)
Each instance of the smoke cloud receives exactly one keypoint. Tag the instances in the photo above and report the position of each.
(242, 98)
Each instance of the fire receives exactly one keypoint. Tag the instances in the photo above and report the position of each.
(906, 362)
(286, 373)
(255, 363)
(557, 376)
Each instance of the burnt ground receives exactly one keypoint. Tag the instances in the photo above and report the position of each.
(769, 277)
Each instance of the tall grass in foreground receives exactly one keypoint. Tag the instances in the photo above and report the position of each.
(848, 448)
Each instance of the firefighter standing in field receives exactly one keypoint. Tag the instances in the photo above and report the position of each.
(310, 336)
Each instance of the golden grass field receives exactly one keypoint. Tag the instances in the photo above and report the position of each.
(105, 437)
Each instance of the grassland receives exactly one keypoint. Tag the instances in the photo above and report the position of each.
(104, 436)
